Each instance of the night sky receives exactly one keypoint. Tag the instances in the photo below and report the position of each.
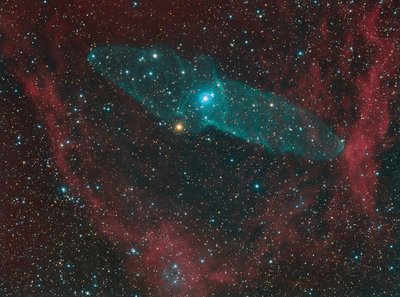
(102, 196)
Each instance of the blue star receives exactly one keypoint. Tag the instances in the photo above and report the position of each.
(63, 189)
(206, 97)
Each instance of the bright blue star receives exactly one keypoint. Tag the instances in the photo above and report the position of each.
(207, 97)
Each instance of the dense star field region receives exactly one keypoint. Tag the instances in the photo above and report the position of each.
(200, 148)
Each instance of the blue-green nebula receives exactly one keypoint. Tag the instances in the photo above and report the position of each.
(193, 93)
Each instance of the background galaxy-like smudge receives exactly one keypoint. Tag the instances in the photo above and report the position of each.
(99, 199)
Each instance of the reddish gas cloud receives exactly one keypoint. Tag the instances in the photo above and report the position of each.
(346, 76)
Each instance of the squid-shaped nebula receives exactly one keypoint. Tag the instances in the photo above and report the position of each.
(193, 95)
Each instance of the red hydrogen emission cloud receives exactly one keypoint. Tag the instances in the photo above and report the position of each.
(339, 61)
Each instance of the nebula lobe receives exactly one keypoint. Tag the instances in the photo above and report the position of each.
(175, 90)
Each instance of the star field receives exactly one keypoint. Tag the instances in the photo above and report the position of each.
(187, 190)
